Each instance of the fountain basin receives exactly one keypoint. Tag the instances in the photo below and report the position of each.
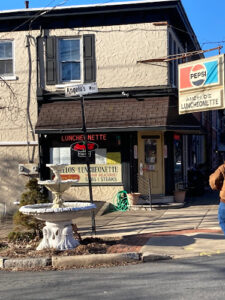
(58, 187)
(57, 233)
(58, 216)
(46, 211)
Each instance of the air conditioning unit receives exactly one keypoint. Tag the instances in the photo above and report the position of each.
(28, 169)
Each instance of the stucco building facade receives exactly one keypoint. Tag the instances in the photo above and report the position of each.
(135, 134)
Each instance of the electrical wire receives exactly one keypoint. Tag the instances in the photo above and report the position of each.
(33, 18)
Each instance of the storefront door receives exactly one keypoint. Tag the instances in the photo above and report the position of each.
(150, 161)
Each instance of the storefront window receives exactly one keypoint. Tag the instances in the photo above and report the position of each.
(150, 151)
(177, 158)
(104, 152)
(60, 155)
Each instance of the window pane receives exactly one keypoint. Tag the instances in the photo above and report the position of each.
(2, 52)
(70, 71)
(2, 67)
(69, 50)
(5, 50)
(8, 50)
(6, 67)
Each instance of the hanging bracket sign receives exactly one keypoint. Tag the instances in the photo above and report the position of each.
(81, 89)
(201, 85)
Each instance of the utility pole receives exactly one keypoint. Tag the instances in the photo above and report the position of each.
(81, 90)
(84, 129)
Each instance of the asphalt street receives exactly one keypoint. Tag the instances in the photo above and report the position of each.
(193, 278)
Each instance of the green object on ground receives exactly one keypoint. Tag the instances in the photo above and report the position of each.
(121, 201)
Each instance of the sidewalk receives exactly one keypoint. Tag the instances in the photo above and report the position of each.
(168, 232)
(176, 232)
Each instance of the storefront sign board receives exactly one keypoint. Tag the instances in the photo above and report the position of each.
(99, 173)
(201, 85)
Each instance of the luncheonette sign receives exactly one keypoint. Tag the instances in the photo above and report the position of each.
(100, 173)
(201, 85)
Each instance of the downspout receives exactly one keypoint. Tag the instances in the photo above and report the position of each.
(29, 122)
(39, 91)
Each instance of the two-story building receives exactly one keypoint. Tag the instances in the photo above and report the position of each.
(135, 134)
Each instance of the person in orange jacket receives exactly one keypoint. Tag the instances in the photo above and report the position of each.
(216, 182)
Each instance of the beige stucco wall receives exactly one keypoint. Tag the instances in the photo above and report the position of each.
(118, 48)
(14, 127)
(99, 193)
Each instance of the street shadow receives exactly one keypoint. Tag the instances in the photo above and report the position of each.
(210, 197)
(171, 240)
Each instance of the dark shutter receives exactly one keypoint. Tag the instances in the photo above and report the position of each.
(89, 58)
(51, 62)
(40, 60)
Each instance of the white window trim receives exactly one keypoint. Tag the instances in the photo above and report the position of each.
(10, 77)
(61, 84)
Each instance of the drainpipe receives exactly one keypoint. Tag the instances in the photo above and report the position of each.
(29, 122)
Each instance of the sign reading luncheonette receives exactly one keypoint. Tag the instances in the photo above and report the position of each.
(81, 89)
(100, 174)
(201, 85)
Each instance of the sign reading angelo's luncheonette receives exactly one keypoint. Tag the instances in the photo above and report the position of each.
(201, 85)
(99, 173)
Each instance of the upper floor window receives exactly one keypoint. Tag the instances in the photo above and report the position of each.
(6, 58)
(69, 60)
(174, 49)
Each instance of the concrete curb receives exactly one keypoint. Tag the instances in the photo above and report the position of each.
(9, 263)
(80, 261)
(148, 257)
(93, 259)
(69, 261)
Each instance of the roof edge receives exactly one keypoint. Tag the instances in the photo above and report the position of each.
(84, 6)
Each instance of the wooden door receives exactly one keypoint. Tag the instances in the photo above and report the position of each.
(150, 161)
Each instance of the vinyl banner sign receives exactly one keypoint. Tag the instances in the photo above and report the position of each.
(99, 173)
(201, 85)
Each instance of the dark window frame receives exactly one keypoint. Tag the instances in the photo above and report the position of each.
(88, 59)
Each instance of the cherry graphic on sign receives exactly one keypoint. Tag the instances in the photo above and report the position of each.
(80, 146)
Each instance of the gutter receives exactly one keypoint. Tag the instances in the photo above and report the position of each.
(121, 129)
(85, 6)
(90, 10)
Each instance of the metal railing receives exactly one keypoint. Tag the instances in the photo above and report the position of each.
(144, 187)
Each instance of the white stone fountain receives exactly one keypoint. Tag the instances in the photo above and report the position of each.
(57, 233)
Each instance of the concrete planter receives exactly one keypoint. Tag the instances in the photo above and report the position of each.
(133, 198)
(179, 196)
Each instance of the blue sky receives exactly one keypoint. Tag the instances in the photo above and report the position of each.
(206, 17)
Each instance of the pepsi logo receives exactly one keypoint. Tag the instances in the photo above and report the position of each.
(198, 75)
